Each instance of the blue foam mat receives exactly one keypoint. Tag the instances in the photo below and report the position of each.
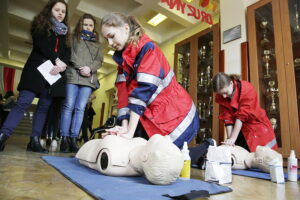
(255, 173)
(120, 188)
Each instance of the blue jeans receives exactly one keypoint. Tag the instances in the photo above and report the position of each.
(73, 109)
(17, 112)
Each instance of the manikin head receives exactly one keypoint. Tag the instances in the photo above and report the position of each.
(262, 158)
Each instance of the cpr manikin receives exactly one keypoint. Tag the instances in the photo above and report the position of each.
(158, 158)
(261, 158)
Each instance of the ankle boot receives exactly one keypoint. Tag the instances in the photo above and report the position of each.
(35, 145)
(3, 139)
(73, 145)
(64, 145)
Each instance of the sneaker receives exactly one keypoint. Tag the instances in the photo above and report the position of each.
(43, 143)
(53, 146)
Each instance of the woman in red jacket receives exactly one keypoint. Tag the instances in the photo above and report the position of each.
(241, 112)
(147, 88)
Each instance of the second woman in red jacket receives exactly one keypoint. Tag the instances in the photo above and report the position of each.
(241, 112)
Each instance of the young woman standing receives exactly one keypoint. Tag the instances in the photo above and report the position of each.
(49, 36)
(86, 59)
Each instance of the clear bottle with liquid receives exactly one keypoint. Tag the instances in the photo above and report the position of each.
(186, 170)
(292, 167)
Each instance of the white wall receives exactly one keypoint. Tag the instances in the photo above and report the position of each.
(233, 13)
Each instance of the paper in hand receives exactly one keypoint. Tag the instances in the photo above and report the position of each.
(45, 69)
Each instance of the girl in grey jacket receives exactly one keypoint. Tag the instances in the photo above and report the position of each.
(86, 59)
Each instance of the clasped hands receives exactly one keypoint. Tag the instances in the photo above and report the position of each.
(117, 130)
(229, 141)
(59, 66)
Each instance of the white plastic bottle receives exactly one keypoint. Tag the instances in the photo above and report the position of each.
(186, 170)
(292, 167)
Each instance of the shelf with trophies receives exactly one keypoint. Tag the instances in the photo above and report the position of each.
(196, 60)
(274, 55)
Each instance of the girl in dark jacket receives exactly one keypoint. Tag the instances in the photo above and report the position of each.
(86, 59)
(49, 35)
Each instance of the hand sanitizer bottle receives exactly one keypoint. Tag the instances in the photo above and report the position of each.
(186, 170)
(292, 167)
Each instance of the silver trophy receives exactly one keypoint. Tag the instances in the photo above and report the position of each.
(274, 123)
(266, 60)
(297, 26)
(264, 25)
(273, 93)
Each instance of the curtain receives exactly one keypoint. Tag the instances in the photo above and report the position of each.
(8, 78)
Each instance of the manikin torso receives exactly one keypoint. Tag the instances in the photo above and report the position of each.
(158, 158)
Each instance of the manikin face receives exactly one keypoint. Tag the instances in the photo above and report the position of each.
(117, 37)
(88, 25)
(227, 91)
(59, 11)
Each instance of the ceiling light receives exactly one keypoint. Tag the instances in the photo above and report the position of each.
(189, 1)
(111, 52)
(157, 19)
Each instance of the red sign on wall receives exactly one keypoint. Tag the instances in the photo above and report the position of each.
(198, 12)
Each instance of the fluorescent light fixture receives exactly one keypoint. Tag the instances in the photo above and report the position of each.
(111, 52)
(157, 19)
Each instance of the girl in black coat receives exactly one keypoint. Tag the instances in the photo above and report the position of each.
(49, 36)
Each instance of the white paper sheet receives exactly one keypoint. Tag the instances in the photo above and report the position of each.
(45, 69)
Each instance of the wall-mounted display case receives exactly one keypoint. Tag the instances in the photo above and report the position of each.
(196, 61)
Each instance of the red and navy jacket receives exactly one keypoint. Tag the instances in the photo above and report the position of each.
(147, 86)
(244, 105)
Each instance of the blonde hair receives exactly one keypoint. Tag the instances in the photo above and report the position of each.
(222, 80)
(118, 19)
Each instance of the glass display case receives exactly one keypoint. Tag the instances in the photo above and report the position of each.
(274, 44)
(196, 60)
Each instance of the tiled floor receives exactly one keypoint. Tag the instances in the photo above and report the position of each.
(24, 176)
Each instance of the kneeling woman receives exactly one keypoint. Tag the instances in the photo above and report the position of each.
(241, 112)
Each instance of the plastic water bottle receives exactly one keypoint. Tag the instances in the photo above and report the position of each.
(292, 167)
(186, 170)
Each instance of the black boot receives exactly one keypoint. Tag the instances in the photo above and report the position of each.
(35, 145)
(73, 145)
(64, 145)
(3, 139)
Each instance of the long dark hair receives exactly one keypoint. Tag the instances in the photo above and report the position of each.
(42, 21)
(118, 19)
(222, 80)
(78, 28)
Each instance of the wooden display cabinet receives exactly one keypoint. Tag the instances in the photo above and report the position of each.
(196, 61)
(274, 55)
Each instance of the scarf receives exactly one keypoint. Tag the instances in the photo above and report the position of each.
(88, 35)
(58, 27)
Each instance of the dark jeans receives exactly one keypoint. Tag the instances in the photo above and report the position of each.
(51, 127)
(17, 112)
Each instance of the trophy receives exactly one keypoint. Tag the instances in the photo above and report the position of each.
(211, 45)
(200, 83)
(274, 123)
(202, 52)
(297, 26)
(264, 25)
(273, 92)
(203, 111)
(209, 108)
(200, 110)
(208, 76)
(185, 83)
(188, 57)
(266, 59)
